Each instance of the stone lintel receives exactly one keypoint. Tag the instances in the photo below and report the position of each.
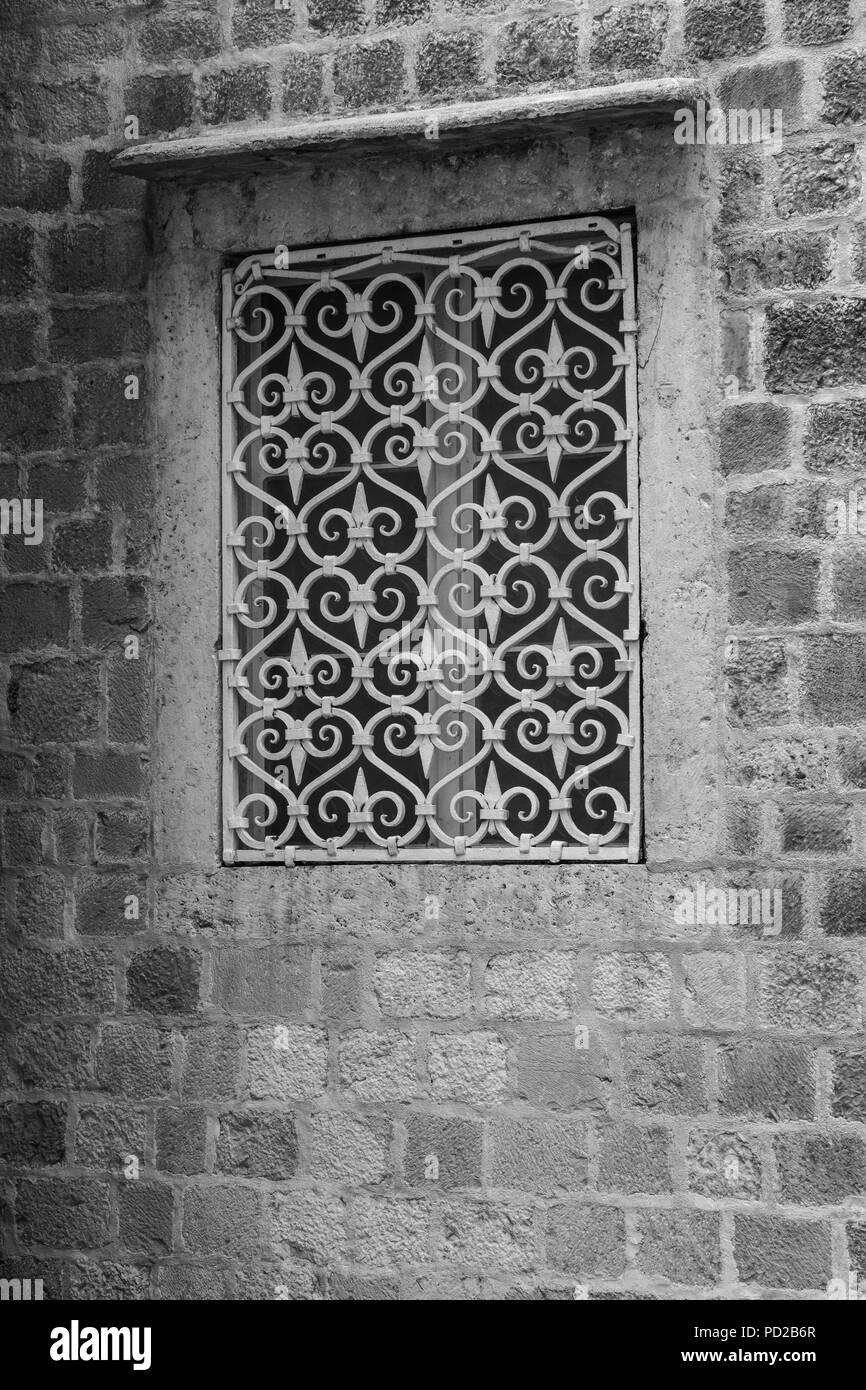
(438, 129)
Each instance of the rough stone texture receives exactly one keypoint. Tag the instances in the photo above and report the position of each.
(680, 1246)
(181, 1139)
(586, 1240)
(772, 588)
(492, 1237)
(820, 1170)
(370, 75)
(782, 261)
(665, 1075)
(529, 986)
(211, 1063)
(849, 587)
(163, 981)
(816, 21)
(302, 84)
(822, 179)
(416, 984)
(448, 64)
(757, 686)
(851, 756)
(222, 1220)
(33, 1134)
(356, 1149)
(844, 80)
(723, 1165)
(309, 1225)
(391, 1232)
(634, 1159)
(134, 1060)
(257, 1144)
(766, 1080)
(723, 30)
(833, 672)
(469, 1067)
(843, 910)
(849, 1085)
(810, 991)
(108, 1136)
(145, 1217)
(554, 1074)
(237, 94)
(539, 49)
(714, 990)
(544, 1156)
(765, 511)
(378, 1066)
(68, 1213)
(754, 438)
(812, 346)
(556, 1081)
(778, 1253)
(771, 87)
(285, 1063)
(634, 987)
(628, 38)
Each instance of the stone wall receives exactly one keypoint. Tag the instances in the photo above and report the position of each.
(219, 1082)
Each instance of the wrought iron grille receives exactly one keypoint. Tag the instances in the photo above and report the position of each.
(430, 574)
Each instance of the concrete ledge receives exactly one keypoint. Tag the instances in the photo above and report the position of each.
(438, 128)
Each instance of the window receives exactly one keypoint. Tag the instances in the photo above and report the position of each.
(430, 568)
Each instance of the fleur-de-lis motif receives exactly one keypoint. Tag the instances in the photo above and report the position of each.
(558, 659)
(361, 599)
(487, 292)
(360, 797)
(559, 662)
(422, 444)
(492, 803)
(556, 433)
(425, 383)
(357, 307)
(427, 659)
(490, 806)
(297, 733)
(560, 730)
(492, 515)
(358, 802)
(360, 525)
(411, 468)
(555, 366)
(294, 455)
(491, 593)
(298, 674)
(294, 392)
(424, 729)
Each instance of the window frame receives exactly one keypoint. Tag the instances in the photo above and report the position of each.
(554, 850)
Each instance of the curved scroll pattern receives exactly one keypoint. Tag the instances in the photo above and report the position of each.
(430, 564)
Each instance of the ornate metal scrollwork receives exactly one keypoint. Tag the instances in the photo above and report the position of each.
(430, 555)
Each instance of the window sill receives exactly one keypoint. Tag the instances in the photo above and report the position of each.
(222, 152)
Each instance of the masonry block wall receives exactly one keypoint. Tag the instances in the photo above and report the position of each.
(256, 1084)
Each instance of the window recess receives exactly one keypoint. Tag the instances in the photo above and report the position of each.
(430, 560)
